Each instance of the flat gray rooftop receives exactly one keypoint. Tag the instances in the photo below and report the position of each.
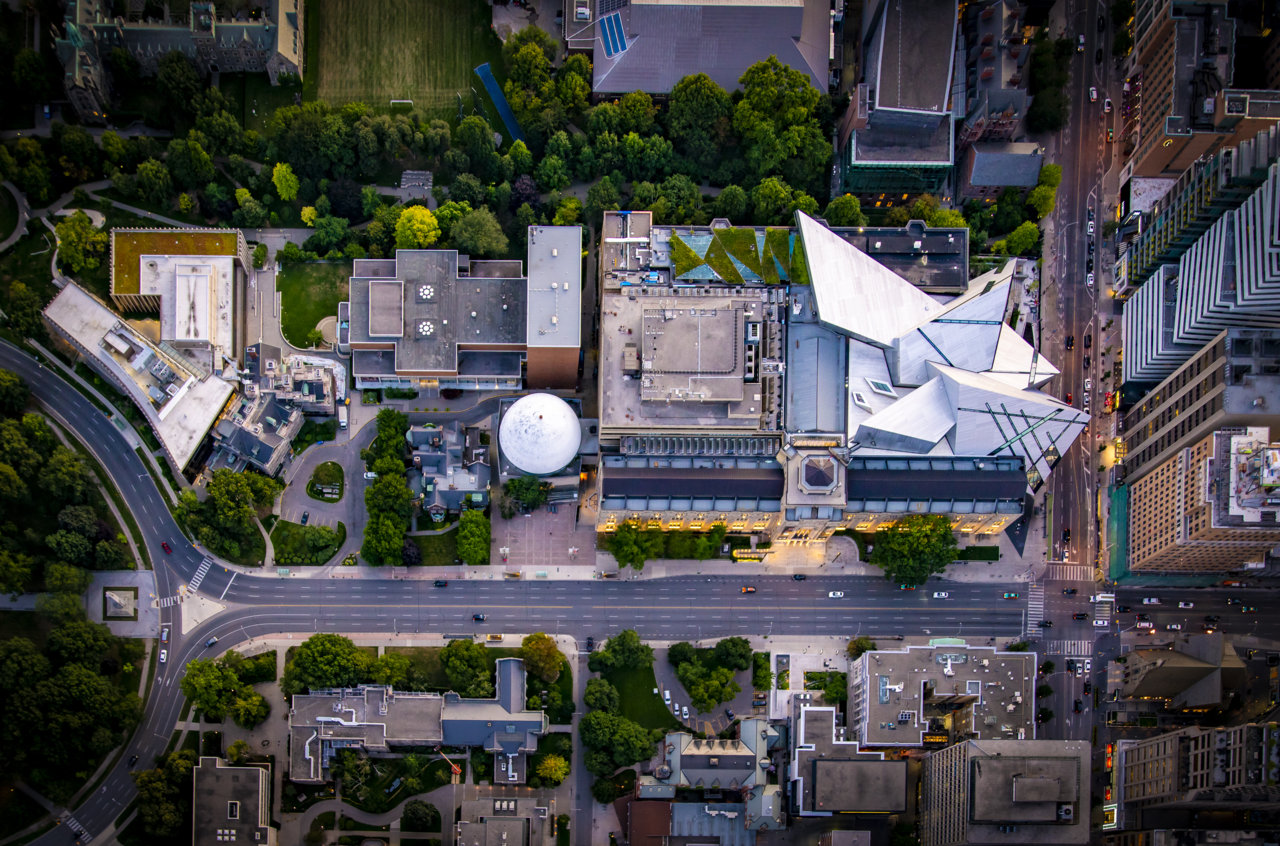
(918, 53)
(555, 286)
(692, 354)
(835, 776)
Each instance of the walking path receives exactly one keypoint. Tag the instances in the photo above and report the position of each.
(24, 212)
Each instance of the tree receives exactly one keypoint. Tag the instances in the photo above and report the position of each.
(324, 660)
(478, 233)
(384, 536)
(625, 544)
(80, 244)
(1050, 175)
(552, 174)
(29, 81)
(1047, 668)
(858, 646)
(1041, 200)
(286, 182)
(66, 578)
(707, 687)
(14, 393)
(529, 35)
(420, 816)
(600, 695)
(619, 741)
(238, 752)
(681, 653)
(568, 212)
(178, 82)
(914, 548)
(602, 197)
(260, 256)
(79, 642)
(1023, 240)
(473, 537)
(190, 165)
(392, 668)
(698, 120)
(63, 476)
(158, 792)
(623, 651)
(154, 182)
(530, 491)
(845, 210)
(248, 708)
(211, 686)
(776, 120)
(15, 569)
(416, 229)
(771, 201)
(835, 688)
(541, 656)
(552, 769)
(734, 652)
(467, 669)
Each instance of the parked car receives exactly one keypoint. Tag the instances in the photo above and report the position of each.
(371, 475)
(1088, 339)
(666, 696)
(684, 712)
(1089, 228)
(1087, 362)
(164, 655)
(168, 550)
(1186, 605)
(441, 582)
(164, 635)
(941, 594)
(1088, 384)
(675, 708)
(1070, 399)
(1093, 94)
(728, 712)
(835, 594)
(306, 515)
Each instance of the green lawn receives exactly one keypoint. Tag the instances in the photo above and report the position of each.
(309, 293)
(328, 474)
(292, 545)
(425, 665)
(253, 97)
(437, 550)
(639, 702)
(375, 51)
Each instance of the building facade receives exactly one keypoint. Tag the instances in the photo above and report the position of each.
(997, 48)
(270, 43)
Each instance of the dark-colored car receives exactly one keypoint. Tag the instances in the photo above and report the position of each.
(799, 577)
(168, 550)
(1045, 624)
(1066, 536)
(1248, 609)
(306, 515)
(1232, 601)
(210, 642)
(591, 643)
(1097, 56)
(1071, 342)
(1069, 591)
(479, 618)
(1087, 362)
(1211, 618)
(1078, 706)
(1144, 618)
(441, 583)
(1079, 615)
(1088, 687)
(133, 759)
(1070, 399)
(1123, 609)
(728, 712)
(1088, 341)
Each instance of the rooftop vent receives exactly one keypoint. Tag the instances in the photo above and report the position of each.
(426, 292)
(426, 327)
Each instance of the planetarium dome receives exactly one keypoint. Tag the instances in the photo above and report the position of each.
(540, 434)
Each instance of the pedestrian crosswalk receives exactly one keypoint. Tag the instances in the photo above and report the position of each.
(1071, 648)
(1068, 573)
(1035, 608)
(169, 601)
(199, 576)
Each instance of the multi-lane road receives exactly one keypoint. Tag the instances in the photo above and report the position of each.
(669, 608)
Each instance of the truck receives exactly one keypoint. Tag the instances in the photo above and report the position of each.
(342, 417)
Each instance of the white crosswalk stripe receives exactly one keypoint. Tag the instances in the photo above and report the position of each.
(1035, 608)
(1068, 573)
(169, 601)
(199, 576)
(1071, 648)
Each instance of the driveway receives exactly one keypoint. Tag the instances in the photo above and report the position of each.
(712, 722)
(350, 510)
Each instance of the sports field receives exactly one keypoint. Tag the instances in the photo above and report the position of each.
(376, 51)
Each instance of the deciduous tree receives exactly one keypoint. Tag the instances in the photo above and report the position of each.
(914, 548)
(416, 229)
(473, 537)
(325, 660)
(542, 658)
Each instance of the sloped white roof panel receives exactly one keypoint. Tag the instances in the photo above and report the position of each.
(914, 423)
(965, 334)
(1018, 363)
(857, 295)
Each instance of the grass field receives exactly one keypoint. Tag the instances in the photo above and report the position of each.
(310, 292)
(253, 97)
(375, 51)
(437, 550)
(639, 702)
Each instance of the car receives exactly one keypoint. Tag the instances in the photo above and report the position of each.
(1093, 94)
(1097, 56)
(1102, 24)
(164, 635)
(582, 11)
(1066, 535)
(728, 712)
(1045, 624)
(1087, 362)
(1106, 106)
(371, 475)
(1232, 601)
(1070, 398)
(1173, 627)
(164, 655)
(1088, 384)
(1186, 605)
(1079, 615)
(1071, 342)
(1145, 624)
(210, 642)
(749, 589)
(1144, 617)
(1211, 618)
(1069, 591)
(1089, 228)
(479, 618)
(941, 594)
(1111, 135)
(306, 515)
(1150, 600)
(1207, 629)
(1088, 687)
(1123, 609)
(906, 587)
(1090, 211)
(835, 594)
(1071, 665)
(1077, 706)
(1101, 624)
(1088, 265)
(133, 759)
(1010, 595)
(666, 696)
(168, 550)
(1248, 609)
(799, 577)
(684, 712)
(1088, 339)
(1088, 665)
(1080, 43)
(675, 708)
(441, 583)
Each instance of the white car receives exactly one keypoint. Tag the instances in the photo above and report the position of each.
(1088, 280)
(835, 594)
(1090, 229)
(666, 696)
(371, 475)
(1106, 106)
(684, 713)
(1088, 665)
(1088, 384)
(675, 708)
(1093, 94)
(1186, 605)
(1101, 624)
(1174, 627)
(1150, 600)
(164, 655)
(941, 594)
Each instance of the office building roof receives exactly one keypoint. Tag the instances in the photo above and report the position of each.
(129, 246)
(1193, 671)
(833, 775)
(1008, 164)
(663, 41)
(1025, 791)
(231, 804)
(914, 61)
(554, 310)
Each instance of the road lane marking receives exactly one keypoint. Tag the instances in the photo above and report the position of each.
(228, 587)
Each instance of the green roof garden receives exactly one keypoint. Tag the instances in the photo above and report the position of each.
(127, 247)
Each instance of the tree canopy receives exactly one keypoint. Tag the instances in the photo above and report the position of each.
(915, 548)
(473, 537)
(467, 667)
(324, 660)
(542, 658)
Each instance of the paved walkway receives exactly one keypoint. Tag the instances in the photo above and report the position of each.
(24, 213)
